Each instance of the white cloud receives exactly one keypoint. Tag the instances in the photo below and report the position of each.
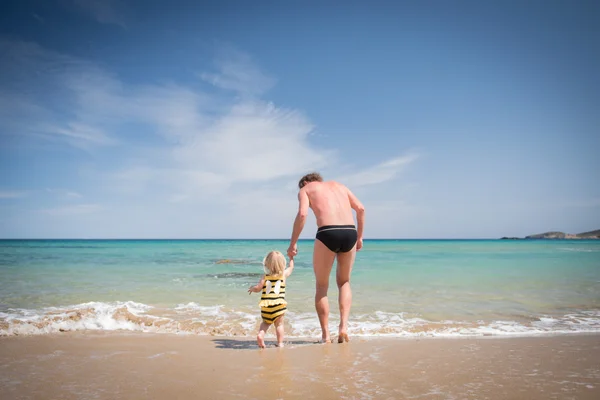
(254, 141)
(238, 72)
(73, 195)
(235, 156)
(81, 135)
(379, 173)
(64, 194)
(35, 95)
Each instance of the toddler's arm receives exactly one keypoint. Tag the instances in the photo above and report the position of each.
(290, 268)
(258, 286)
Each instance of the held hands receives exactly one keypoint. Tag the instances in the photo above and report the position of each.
(292, 250)
(359, 244)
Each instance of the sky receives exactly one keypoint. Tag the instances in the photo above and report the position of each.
(187, 119)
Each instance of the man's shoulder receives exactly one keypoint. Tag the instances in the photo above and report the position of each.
(337, 184)
(315, 186)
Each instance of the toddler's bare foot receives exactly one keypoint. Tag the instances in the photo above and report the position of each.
(280, 344)
(261, 341)
(343, 337)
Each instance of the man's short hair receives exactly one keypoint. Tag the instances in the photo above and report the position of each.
(312, 177)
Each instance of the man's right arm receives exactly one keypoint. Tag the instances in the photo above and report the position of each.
(299, 221)
(360, 213)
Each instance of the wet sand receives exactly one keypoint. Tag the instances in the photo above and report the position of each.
(86, 365)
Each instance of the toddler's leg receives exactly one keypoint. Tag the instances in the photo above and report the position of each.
(260, 338)
(279, 330)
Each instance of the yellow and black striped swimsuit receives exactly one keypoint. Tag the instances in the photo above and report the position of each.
(272, 301)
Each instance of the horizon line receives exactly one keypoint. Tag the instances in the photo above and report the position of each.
(272, 239)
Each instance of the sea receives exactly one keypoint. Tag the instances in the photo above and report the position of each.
(400, 288)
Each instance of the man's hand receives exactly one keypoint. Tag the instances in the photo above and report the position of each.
(292, 250)
(359, 244)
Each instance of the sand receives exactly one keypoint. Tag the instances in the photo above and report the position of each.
(87, 365)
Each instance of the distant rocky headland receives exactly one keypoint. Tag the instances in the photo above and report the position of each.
(560, 235)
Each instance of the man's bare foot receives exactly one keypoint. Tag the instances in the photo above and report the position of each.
(343, 337)
(324, 340)
(280, 345)
(261, 341)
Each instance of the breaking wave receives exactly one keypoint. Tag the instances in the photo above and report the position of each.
(218, 320)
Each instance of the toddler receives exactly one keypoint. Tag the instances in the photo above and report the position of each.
(272, 301)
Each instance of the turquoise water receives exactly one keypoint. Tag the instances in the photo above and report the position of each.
(400, 287)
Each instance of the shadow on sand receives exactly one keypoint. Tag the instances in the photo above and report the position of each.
(251, 344)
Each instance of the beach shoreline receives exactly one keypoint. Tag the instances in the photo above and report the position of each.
(128, 365)
(412, 288)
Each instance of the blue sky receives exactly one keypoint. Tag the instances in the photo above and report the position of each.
(186, 119)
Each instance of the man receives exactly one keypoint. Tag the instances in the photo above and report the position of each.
(337, 237)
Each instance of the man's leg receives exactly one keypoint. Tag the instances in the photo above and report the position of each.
(345, 261)
(322, 263)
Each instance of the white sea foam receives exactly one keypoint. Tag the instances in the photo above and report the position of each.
(127, 315)
(197, 309)
(580, 250)
(194, 318)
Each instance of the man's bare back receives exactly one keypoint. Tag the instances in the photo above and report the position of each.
(330, 201)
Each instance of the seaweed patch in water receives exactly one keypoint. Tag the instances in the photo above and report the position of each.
(230, 261)
(230, 275)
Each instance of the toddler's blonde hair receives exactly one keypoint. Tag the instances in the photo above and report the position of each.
(274, 263)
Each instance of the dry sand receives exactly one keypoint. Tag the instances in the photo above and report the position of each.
(153, 366)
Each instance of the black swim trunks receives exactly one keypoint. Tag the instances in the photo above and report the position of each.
(338, 238)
